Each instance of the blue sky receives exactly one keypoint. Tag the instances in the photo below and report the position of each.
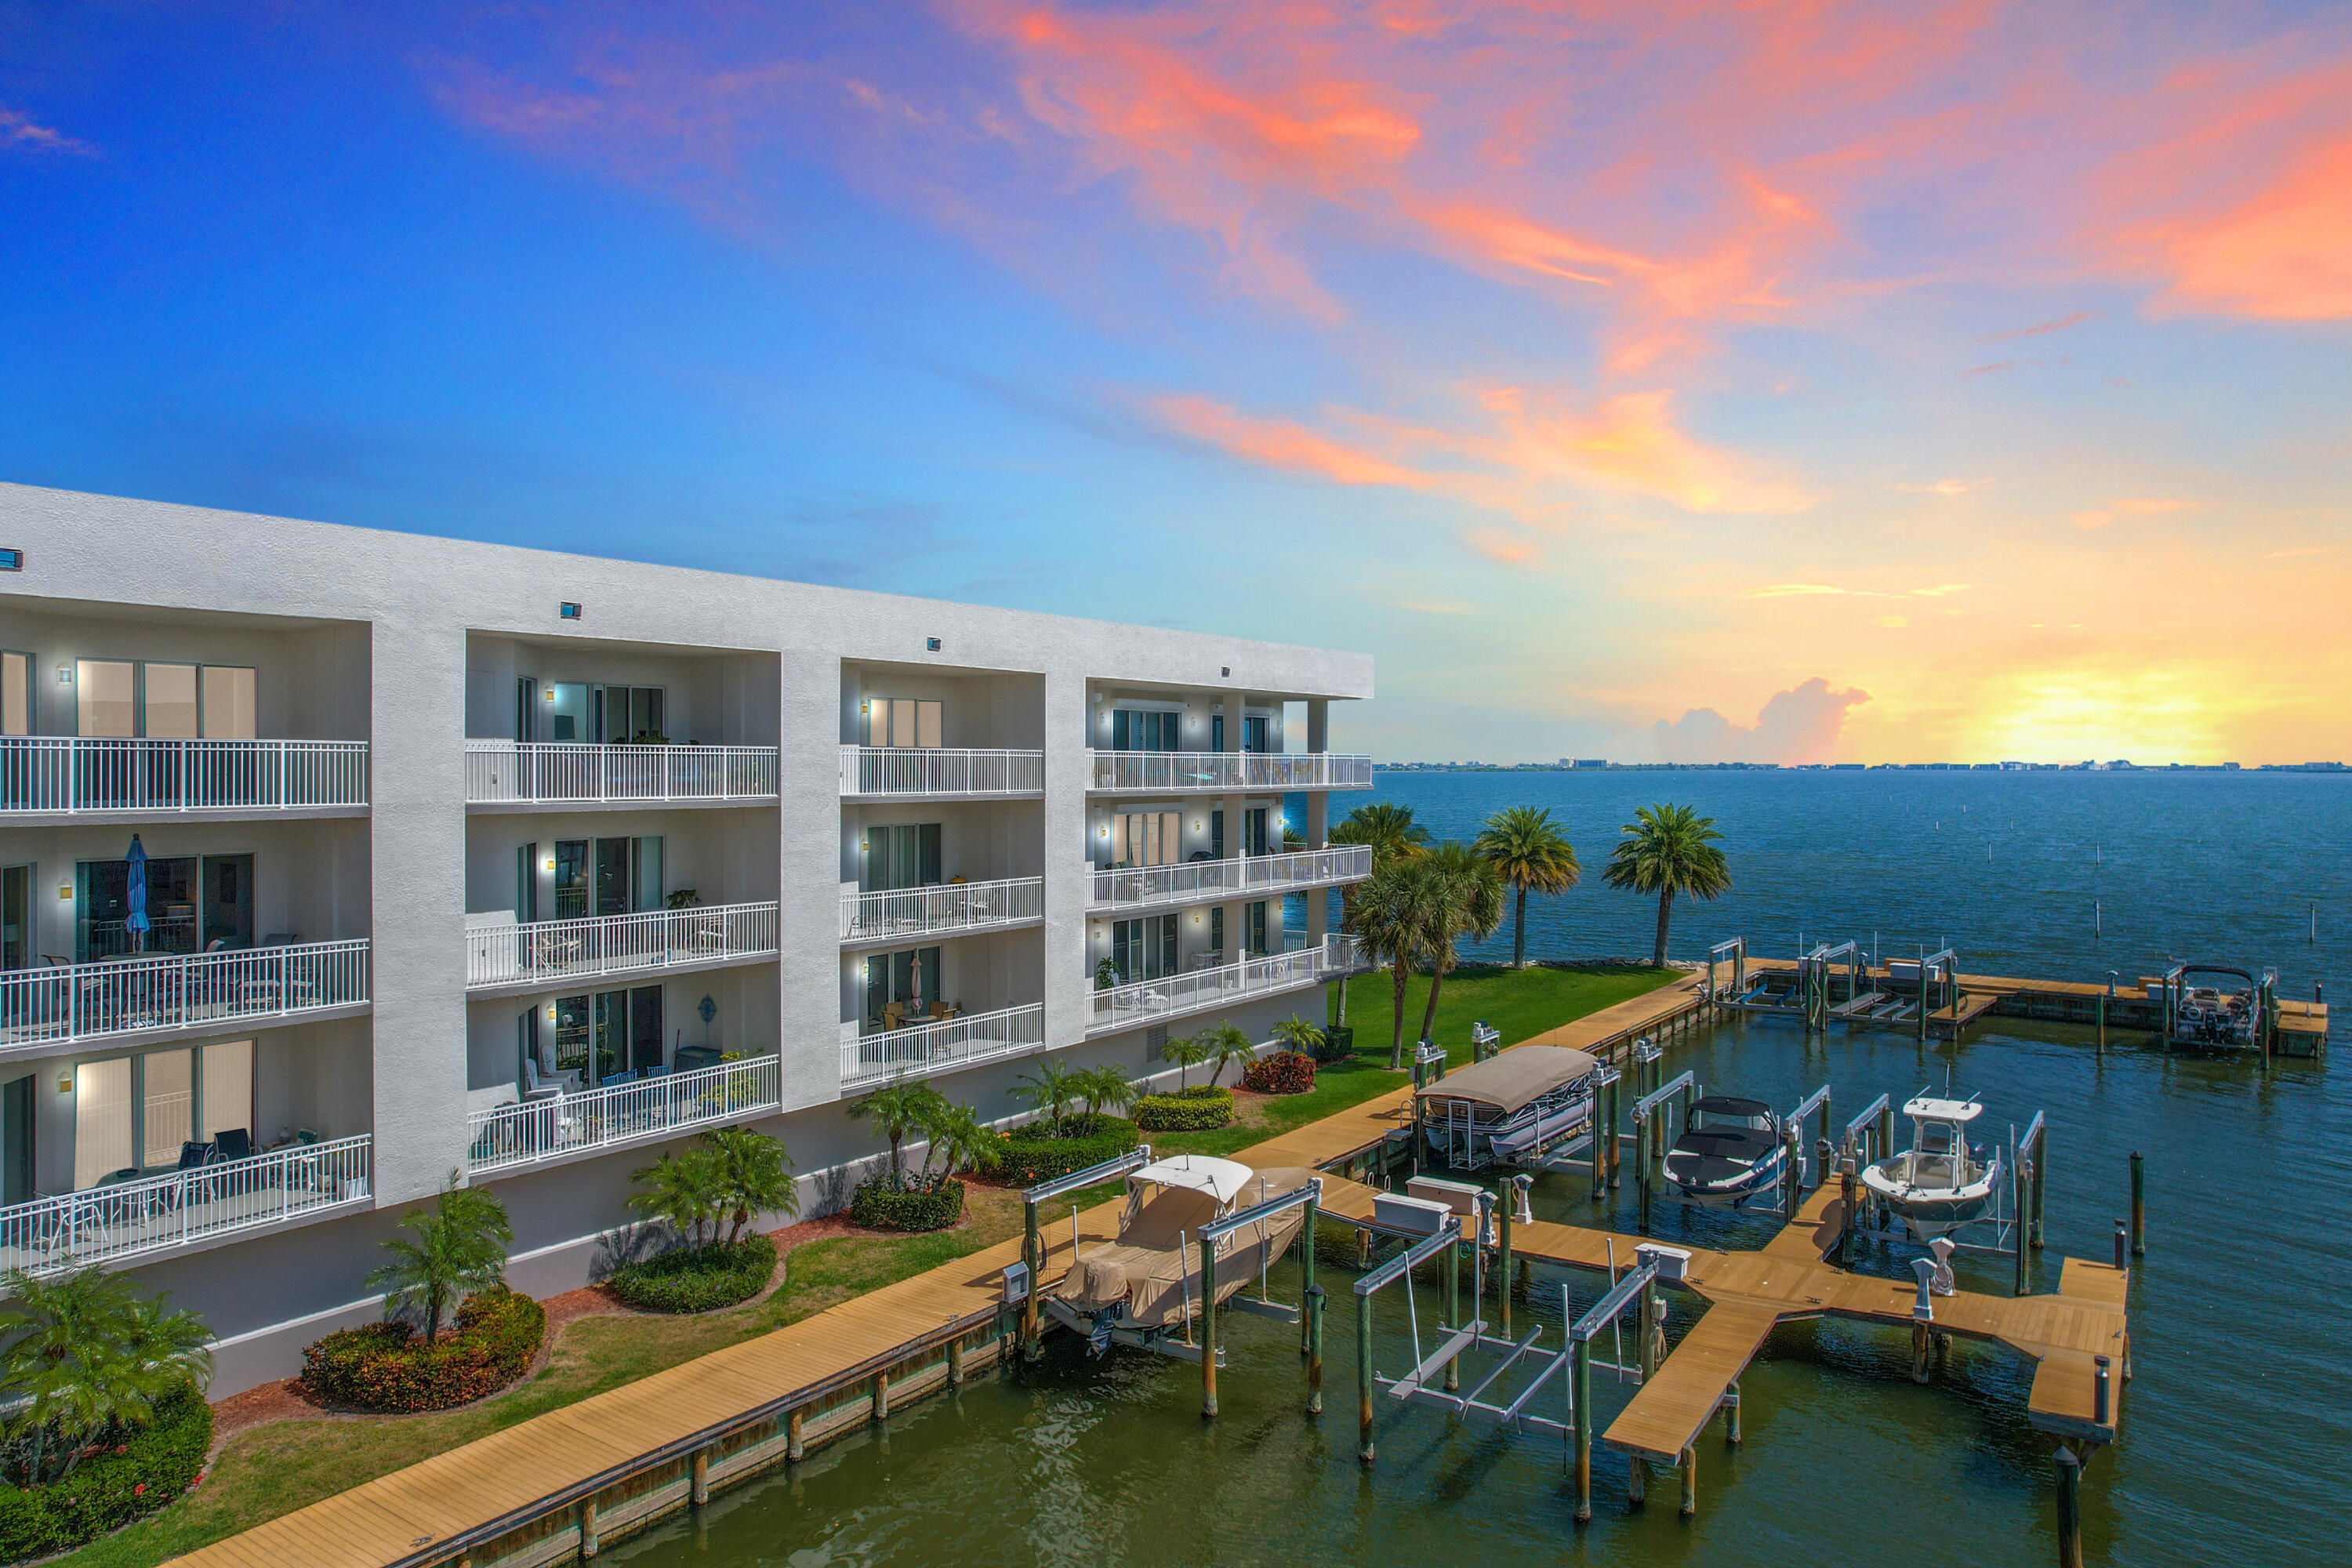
(1662, 381)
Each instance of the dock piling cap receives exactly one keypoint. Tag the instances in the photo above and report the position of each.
(1928, 1107)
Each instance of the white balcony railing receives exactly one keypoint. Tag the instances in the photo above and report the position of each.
(1146, 1001)
(942, 909)
(155, 1214)
(59, 773)
(536, 1130)
(915, 770)
(501, 773)
(944, 1047)
(180, 991)
(506, 954)
(1162, 772)
(1251, 875)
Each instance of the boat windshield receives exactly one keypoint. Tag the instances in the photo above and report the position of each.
(1935, 1138)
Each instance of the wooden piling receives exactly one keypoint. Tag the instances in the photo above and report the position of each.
(1846, 1194)
(2139, 1205)
(2070, 1507)
(794, 1448)
(955, 1363)
(1315, 1349)
(1503, 1256)
(1688, 1466)
(1306, 1279)
(1033, 1253)
(1637, 1481)
(699, 1492)
(589, 1539)
(1731, 1433)
(1610, 1150)
(1208, 1329)
(881, 1396)
(1453, 1311)
(1580, 1370)
(1649, 1332)
(1921, 1340)
(1364, 1376)
(2041, 1185)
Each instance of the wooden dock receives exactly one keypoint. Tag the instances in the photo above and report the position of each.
(551, 1490)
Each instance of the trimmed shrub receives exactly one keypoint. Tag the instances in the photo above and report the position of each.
(878, 1206)
(698, 1278)
(1338, 1045)
(1196, 1109)
(1040, 1152)
(385, 1367)
(151, 1466)
(1284, 1072)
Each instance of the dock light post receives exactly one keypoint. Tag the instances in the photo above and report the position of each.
(2102, 1392)
(2123, 1242)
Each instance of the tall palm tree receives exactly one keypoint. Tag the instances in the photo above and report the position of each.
(959, 1138)
(1532, 856)
(1391, 924)
(460, 1250)
(1223, 1046)
(1388, 829)
(901, 1109)
(1051, 1088)
(1187, 1053)
(1669, 849)
(754, 1176)
(1106, 1084)
(88, 1354)
(1299, 1036)
(684, 1191)
(1465, 899)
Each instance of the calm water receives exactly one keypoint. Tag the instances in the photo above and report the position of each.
(2236, 1429)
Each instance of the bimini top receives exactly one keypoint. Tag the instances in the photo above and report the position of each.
(1514, 1079)
(1928, 1108)
(1730, 1105)
(1221, 1179)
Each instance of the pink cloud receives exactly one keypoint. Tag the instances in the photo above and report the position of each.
(18, 130)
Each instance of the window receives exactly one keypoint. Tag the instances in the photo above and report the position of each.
(628, 876)
(1144, 839)
(571, 879)
(16, 693)
(526, 883)
(1217, 834)
(136, 1112)
(904, 721)
(625, 1028)
(630, 714)
(1254, 830)
(1255, 734)
(1253, 926)
(910, 979)
(15, 917)
(1144, 949)
(118, 698)
(905, 854)
(1145, 730)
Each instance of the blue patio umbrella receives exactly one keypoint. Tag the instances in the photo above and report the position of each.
(138, 924)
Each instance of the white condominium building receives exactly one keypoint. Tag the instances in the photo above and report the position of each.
(333, 861)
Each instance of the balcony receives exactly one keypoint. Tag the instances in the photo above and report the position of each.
(501, 774)
(71, 777)
(538, 1130)
(1253, 876)
(501, 955)
(1175, 996)
(946, 1047)
(897, 773)
(151, 1215)
(175, 993)
(1172, 772)
(944, 909)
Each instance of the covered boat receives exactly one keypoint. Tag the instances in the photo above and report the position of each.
(1729, 1150)
(1147, 1284)
(1510, 1108)
(1937, 1185)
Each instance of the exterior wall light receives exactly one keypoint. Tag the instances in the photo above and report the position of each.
(64, 1082)
(65, 675)
(568, 610)
(548, 864)
(65, 892)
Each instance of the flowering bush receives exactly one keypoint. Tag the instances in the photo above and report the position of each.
(1284, 1072)
(149, 1466)
(385, 1366)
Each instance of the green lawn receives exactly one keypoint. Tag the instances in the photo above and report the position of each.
(277, 1469)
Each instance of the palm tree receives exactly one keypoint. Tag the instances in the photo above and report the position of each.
(460, 1250)
(754, 1176)
(682, 1191)
(900, 1109)
(1051, 1089)
(1388, 827)
(1187, 1053)
(1106, 1084)
(1391, 926)
(1297, 1035)
(1669, 849)
(1222, 1045)
(958, 1138)
(1465, 899)
(87, 1354)
(1530, 854)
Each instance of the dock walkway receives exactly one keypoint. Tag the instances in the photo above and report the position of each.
(631, 1451)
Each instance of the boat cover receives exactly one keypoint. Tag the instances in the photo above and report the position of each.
(1515, 1079)
(1155, 1265)
(1730, 1105)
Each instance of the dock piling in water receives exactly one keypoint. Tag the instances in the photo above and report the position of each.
(2139, 1208)
(1315, 1349)
(2070, 1507)
(1208, 1329)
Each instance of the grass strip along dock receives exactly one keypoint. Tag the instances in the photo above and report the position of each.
(552, 1488)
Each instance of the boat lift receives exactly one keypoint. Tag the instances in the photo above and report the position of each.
(2012, 1228)
(1032, 1241)
(1308, 1313)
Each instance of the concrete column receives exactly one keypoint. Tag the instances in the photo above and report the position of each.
(1068, 981)
(1236, 706)
(417, 831)
(808, 877)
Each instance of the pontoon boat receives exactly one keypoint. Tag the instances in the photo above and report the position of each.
(1509, 1109)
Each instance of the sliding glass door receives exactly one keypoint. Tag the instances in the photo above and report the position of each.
(905, 854)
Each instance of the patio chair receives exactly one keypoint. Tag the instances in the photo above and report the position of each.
(539, 1084)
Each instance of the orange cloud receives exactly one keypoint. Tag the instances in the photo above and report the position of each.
(2284, 254)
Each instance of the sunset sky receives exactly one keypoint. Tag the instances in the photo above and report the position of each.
(1792, 382)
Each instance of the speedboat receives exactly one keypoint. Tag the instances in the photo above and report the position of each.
(1937, 1185)
(1729, 1150)
(1509, 1109)
(1145, 1287)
